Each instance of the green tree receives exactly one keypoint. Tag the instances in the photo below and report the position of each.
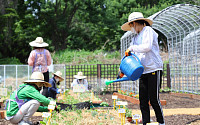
(63, 22)
(71, 24)
(8, 16)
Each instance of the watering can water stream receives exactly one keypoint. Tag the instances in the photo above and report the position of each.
(131, 67)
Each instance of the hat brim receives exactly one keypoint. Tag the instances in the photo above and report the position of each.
(34, 44)
(79, 77)
(61, 79)
(126, 26)
(46, 84)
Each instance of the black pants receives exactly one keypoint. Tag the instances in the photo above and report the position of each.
(149, 86)
(45, 89)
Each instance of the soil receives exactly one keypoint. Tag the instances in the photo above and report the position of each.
(34, 119)
(173, 102)
(172, 118)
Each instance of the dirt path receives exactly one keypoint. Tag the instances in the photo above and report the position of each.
(176, 111)
(167, 112)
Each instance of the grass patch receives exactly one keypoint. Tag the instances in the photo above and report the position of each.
(74, 57)
(6, 61)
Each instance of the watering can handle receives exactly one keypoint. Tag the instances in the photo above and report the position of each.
(132, 54)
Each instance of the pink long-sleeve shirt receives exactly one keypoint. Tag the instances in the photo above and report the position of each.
(40, 60)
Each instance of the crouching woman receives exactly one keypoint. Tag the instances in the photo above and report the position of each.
(26, 100)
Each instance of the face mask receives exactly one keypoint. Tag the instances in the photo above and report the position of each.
(39, 86)
(133, 30)
(57, 80)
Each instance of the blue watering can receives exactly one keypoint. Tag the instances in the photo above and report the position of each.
(131, 67)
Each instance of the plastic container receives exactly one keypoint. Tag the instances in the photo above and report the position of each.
(131, 67)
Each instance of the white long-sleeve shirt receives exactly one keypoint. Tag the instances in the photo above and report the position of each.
(83, 81)
(145, 45)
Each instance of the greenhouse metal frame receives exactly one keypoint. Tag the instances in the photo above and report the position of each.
(180, 24)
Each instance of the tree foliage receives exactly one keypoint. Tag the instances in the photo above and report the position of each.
(69, 24)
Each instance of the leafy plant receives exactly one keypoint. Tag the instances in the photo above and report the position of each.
(94, 113)
(12, 60)
(104, 104)
(131, 94)
(105, 90)
(136, 96)
(128, 112)
(166, 89)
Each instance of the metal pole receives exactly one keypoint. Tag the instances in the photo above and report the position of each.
(4, 76)
(28, 71)
(16, 76)
(65, 76)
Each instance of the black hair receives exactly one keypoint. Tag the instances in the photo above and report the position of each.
(36, 87)
(142, 22)
(38, 48)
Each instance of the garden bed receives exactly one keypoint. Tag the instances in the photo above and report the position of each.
(108, 116)
(133, 99)
(188, 95)
(173, 102)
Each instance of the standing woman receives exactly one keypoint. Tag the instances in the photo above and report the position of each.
(145, 46)
(40, 58)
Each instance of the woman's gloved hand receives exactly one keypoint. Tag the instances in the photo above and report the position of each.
(127, 52)
(58, 91)
(120, 74)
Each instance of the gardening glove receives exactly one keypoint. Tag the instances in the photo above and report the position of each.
(127, 52)
(61, 92)
(58, 91)
(120, 74)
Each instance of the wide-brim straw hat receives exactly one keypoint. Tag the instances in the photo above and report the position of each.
(133, 17)
(59, 74)
(79, 76)
(37, 78)
(38, 42)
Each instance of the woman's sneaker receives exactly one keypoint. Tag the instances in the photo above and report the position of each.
(25, 123)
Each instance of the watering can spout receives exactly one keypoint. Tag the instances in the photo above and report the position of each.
(131, 67)
(107, 82)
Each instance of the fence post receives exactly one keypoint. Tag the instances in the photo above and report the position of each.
(168, 76)
(65, 76)
(99, 73)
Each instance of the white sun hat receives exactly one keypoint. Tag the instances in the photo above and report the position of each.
(133, 17)
(38, 42)
(79, 76)
(59, 74)
(37, 78)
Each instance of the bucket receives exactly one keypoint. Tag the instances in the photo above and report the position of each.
(131, 67)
